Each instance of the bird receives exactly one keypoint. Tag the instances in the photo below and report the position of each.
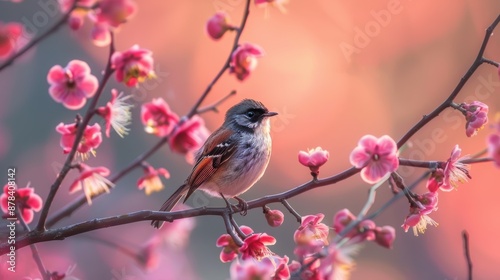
(232, 159)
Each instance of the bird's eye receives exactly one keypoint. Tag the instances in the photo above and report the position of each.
(250, 114)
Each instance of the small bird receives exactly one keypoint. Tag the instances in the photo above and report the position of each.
(233, 158)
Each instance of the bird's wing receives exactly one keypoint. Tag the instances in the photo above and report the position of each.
(218, 149)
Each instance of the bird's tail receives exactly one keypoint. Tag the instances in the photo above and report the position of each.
(170, 203)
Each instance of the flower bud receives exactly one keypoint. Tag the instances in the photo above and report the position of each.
(314, 159)
(274, 217)
(217, 25)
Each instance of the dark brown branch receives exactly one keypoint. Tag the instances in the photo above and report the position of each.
(477, 62)
(465, 236)
(236, 41)
(292, 211)
(81, 128)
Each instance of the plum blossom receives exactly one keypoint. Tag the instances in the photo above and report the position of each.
(455, 171)
(90, 140)
(218, 24)
(72, 85)
(26, 200)
(188, 137)
(230, 249)
(9, 36)
(251, 269)
(157, 117)
(385, 236)
(418, 217)
(255, 246)
(78, 14)
(476, 115)
(244, 60)
(133, 66)
(116, 113)
(151, 181)
(314, 159)
(92, 180)
(375, 156)
(311, 229)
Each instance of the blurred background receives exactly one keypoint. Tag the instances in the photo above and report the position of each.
(335, 70)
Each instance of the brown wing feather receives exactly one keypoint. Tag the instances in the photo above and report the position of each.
(214, 155)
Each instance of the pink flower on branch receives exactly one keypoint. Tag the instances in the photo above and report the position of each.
(476, 115)
(90, 140)
(157, 117)
(188, 137)
(115, 12)
(385, 236)
(92, 180)
(77, 16)
(72, 85)
(230, 249)
(151, 181)
(255, 246)
(418, 217)
(133, 66)
(9, 35)
(251, 270)
(311, 229)
(116, 113)
(314, 159)
(375, 156)
(218, 24)
(494, 148)
(244, 60)
(455, 171)
(25, 199)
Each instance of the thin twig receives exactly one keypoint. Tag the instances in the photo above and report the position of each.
(237, 228)
(34, 250)
(38, 39)
(465, 236)
(230, 229)
(81, 128)
(226, 65)
(214, 106)
(292, 211)
(477, 62)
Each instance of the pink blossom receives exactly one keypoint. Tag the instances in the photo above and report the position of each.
(375, 156)
(230, 249)
(25, 199)
(494, 148)
(77, 16)
(363, 231)
(90, 140)
(244, 60)
(314, 159)
(341, 219)
(158, 118)
(338, 263)
(9, 35)
(133, 66)
(100, 34)
(189, 137)
(274, 217)
(151, 181)
(418, 217)
(455, 171)
(476, 115)
(255, 246)
(115, 12)
(279, 4)
(311, 272)
(436, 180)
(251, 269)
(281, 269)
(385, 236)
(218, 24)
(116, 113)
(92, 180)
(311, 229)
(72, 85)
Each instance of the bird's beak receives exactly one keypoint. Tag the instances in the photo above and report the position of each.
(269, 114)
